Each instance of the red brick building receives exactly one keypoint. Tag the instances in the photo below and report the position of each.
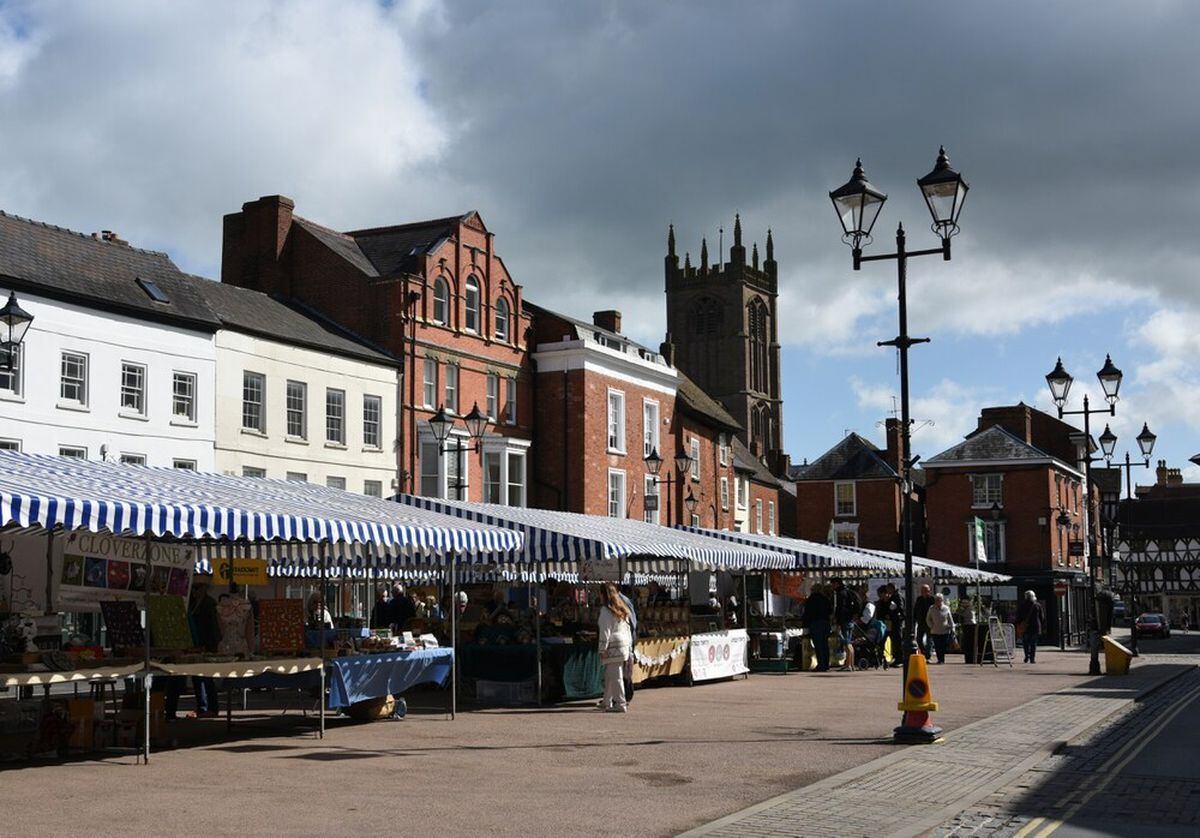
(1015, 474)
(853, 490)
(434, 293)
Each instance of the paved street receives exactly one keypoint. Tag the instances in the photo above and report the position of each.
(998, 770)
(682, 757)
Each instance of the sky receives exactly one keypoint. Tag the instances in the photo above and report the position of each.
(580, 130)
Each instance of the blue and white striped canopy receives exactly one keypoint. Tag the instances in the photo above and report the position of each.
(943, 571)
(568, 536)
(46, 491)
(807, 555)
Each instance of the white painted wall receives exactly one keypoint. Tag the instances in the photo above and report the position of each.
(274, 452)
(36, 419)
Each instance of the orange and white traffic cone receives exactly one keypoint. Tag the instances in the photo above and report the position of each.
(918, 703)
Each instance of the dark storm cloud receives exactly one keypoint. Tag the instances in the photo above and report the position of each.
(586, 128)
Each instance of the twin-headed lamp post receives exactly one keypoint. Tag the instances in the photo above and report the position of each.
(857, 204)
(683, 462)
(441, 425)
(1145, 441)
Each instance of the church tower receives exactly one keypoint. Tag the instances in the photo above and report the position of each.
(721, 321)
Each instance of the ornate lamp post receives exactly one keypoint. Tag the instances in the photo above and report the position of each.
(14, 323)
(442, 425)
(1145, 441)
(857, 204)
(654, 465)
(1059, 381)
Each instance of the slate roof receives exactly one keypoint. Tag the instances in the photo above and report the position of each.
(585, 326)
(75, 267)
(253, 312)
(747, 463)
(994, 443)
(399, 248)
(853, 458)
(341, 244)
(697, 402)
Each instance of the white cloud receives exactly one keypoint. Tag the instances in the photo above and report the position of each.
(156, 119)
(942, 415)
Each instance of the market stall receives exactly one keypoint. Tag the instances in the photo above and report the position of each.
(587, 549)
(124, 541)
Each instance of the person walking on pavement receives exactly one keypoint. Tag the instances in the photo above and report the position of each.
(920, 627)
(627, 674)
(818, 611)
(616, 644)
(845, 612)
(941, 625)
(1031, 621)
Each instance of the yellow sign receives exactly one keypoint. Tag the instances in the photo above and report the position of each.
(245, 571)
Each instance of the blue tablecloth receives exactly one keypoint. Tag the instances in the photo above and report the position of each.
(312, 637)
(362, 677)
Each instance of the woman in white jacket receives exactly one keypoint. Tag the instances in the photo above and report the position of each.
(616, 645)
(941, 626)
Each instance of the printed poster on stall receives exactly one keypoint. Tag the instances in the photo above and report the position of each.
(98, 567)
(718, 654)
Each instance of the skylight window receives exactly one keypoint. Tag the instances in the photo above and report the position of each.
(153, 291)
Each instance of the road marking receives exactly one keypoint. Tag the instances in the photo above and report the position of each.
(1029, 827)
(1113, 766)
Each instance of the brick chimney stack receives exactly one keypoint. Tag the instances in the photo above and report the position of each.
(609, 319)
(253, 243)
(895, 444)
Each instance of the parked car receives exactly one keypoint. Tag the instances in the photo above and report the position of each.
(1153, 624)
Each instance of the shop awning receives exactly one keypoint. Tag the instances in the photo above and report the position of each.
(805, 555)
(46, 491)
(552, 536)
(942, 570)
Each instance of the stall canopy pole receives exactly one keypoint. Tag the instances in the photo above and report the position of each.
(537, 636)
(453, 639)
(321, 631)
(146, 677)
(50, 571)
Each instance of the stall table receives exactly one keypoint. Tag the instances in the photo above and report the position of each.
(355, 678)
(659, 657)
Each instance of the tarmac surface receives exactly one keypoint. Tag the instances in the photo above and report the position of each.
(680, 758)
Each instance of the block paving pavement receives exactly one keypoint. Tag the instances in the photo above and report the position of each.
(927, 789)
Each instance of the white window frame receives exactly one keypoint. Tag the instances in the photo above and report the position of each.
(771, 517)
(838, 511)
(493, 490)
(650, 489)
(501, 450)
(260, 381)
(986, 489)
(84, 362)
(289, 410)
(373, 427)
(131, 459)
(332, 481)
(297, 477)
(10, 444)
(429, 388)
(841, 529)
(618, 491)
(503, 320)
(77, 451)
(695, 520)
(510, 400)
(491, 403)
(723, 443)
(131, 370)
(758, 515)
(441, 301)
(651, 413)
(373, 488)
(694, 442)
(187, 399)
(253, 471)
(523, 486)
(473, 310)
(724, 494)
(614, 427)
(743, 492)
(14, 390)
(335, 418)
(1001, 541)
(183, 465)
(450, 389)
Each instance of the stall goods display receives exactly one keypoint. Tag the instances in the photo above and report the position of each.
(124, 623)
(663, 620)
(168, 622)
(281, 625)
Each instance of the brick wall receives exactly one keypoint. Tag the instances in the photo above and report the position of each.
(877, 512)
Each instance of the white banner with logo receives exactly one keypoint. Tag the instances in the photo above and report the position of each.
(718, 654)
(96, 567)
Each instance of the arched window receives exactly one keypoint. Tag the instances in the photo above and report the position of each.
(441, 301)
(502, 320)
(472, 320)
(756, 327)
(762, 436)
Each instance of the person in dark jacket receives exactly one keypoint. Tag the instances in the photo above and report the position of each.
(381, 614)
(890, 612)
(846, 608)
(1031, 621)
(920, 609)
(818, 611)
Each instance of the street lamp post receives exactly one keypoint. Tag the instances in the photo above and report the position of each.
(442, 425)
(858, 204)
(14, 323)
(654, 463)
(1145, 441)
(1059, 381)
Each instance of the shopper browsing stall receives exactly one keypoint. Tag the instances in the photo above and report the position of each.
(616, 642)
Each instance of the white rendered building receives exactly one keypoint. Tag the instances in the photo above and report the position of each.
(119, 363)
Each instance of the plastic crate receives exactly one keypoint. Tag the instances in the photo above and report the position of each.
(506, 692)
